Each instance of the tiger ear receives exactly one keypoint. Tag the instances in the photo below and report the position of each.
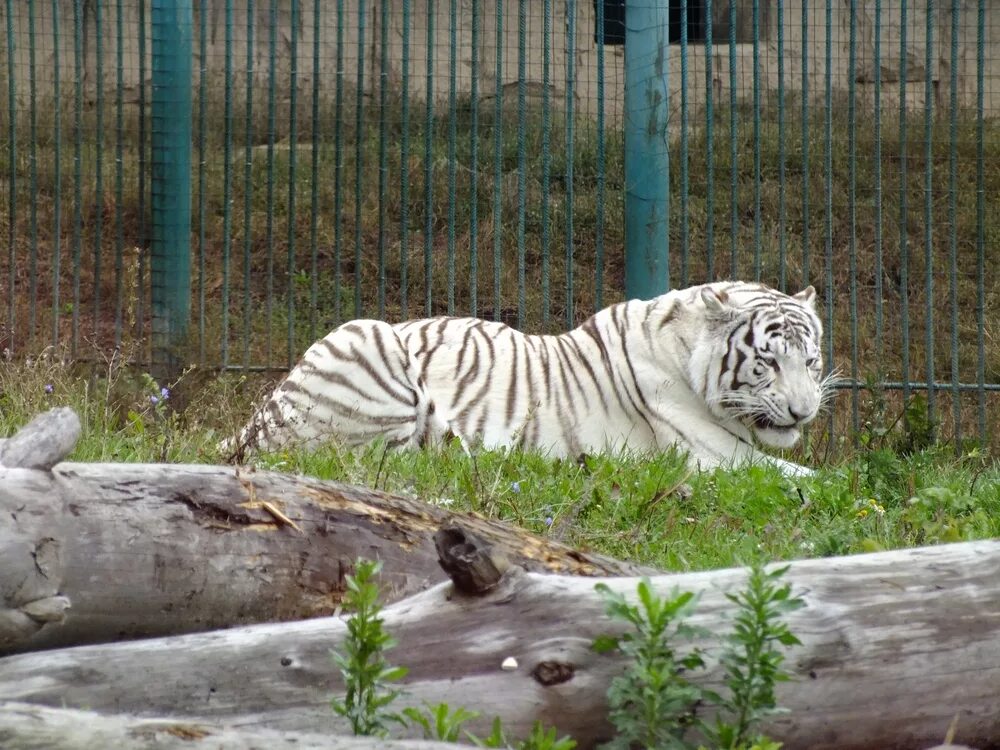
(807, 296)
(716, 302)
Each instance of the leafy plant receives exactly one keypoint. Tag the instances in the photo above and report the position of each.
(439, 722)
(940, 514)
(540, 738)
(544, 739)
(366, 673)
(752, 659)
(652, 704)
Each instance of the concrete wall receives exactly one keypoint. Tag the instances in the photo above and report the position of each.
(584, 62)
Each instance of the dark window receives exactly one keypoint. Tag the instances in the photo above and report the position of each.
(697, 21)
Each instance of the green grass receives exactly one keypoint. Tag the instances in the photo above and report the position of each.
(646, 509)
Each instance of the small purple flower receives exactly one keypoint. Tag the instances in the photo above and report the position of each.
(49, 388)
(548, 520)
(164, 393)
(154, 400)
(515, 487)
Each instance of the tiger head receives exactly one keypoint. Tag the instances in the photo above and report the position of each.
(765, 367)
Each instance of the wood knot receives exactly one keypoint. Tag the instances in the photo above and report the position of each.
(474, 566)
(553, 672)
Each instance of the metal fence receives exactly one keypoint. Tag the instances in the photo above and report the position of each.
(395, 158)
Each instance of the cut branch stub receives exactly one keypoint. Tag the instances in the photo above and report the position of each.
(473, 566)
(42, 443)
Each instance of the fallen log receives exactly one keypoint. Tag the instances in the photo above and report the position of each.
(103, 552)
(895, 645)
(27, 727)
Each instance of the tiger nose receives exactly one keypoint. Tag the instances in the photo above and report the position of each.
(797, 416)
(802, 412)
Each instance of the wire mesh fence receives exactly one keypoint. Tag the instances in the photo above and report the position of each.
(401, 158)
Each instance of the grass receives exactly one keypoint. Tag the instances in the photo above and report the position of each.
(646, 509)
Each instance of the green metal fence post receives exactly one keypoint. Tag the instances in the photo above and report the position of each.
(172, 22)
(647, 176)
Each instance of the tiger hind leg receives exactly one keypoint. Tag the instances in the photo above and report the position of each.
(356, 385)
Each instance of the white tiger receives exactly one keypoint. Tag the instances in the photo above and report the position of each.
(711, 369)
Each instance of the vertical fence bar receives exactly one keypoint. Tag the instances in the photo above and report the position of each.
(248, 183)
(314, 207)
(358, 153)
(227, 177)
(782, 217)
(647, 158)
(879, 314)
(452, 145)
(474, 166)
(56, 173)
(98, 167)
(684, 144)
(497, 161)
(202, 169)
(570, 115)
(852, 198)
(293, 150)
(11, 173)
(522, 154)
(734, 270)
(755, 9)
(272, 41)
(980, 221)
(828, 191)
(170, 196)
(140, 302)
(601, 164)
(928, 221)
(77, 171)
(956, 396)
(338, 167)
(383, 154)
(546, 137)
(806, 271)
(904, 245)
(429, 165)
(709, 149)
(32, 172)
(119, 168)
(404, 166)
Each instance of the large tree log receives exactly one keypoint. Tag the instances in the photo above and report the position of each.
(99, 552)
(895, 644)
(27, 727)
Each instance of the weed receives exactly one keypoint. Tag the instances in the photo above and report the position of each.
(752, 659)
(654, 704)
(366, 674)
(439, 722)
(540, 738)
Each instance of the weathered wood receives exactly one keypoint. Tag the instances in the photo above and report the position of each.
(27, 727)
(141, 550)
(473, 566)
(895, 644)
(43, 442)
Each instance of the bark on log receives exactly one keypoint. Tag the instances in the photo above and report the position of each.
(102, 552)
(27, 727)
(43, 442)
(895, 644)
